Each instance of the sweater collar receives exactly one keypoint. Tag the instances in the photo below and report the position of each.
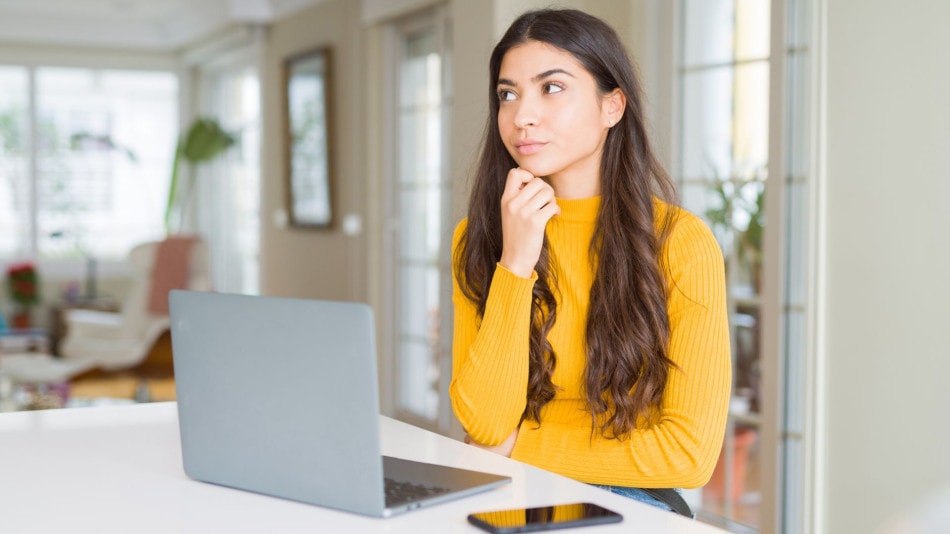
(579, 210)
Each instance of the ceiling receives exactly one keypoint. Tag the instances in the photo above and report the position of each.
(156, 25)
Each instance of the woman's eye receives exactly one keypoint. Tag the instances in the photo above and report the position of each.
(552, 88)
(505, 95)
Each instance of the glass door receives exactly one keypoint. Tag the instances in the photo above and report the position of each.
(418, 194)
(724, 142)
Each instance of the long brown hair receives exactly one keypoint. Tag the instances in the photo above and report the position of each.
(627, 324)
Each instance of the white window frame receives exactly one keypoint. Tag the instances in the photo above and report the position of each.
(793, 265)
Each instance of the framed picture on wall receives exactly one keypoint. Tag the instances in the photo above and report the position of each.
(309, 169)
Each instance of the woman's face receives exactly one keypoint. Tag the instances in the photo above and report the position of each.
(553, 119)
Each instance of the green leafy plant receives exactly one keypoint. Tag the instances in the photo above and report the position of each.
(86, 141)
(204, 141)
(739, 215)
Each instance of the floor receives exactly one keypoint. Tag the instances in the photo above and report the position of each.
(150, 381)
(122, 387)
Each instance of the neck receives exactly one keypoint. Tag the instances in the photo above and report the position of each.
(574, 187)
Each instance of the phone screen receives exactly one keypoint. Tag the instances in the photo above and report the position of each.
(544, 518)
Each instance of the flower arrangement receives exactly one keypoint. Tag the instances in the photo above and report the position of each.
(23, 284)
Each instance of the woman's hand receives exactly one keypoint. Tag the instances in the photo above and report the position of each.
(527, 204)
(503, 449)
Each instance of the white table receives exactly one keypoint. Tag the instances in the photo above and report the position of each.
(118, 469)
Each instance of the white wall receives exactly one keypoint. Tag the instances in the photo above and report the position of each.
(887, 258)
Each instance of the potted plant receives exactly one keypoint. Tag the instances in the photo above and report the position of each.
(23, 287)
(204, 140)
(737, 218)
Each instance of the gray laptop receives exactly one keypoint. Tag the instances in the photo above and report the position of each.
(279, 396)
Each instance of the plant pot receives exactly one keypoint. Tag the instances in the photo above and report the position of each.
(21, 319)
(742, 444)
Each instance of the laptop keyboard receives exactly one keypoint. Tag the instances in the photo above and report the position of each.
(400, 492)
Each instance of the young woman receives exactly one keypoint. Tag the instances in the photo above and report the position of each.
(591, 335)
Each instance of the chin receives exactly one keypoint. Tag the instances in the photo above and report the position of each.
(536, 170)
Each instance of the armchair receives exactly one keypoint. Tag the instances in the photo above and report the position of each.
(122, 340)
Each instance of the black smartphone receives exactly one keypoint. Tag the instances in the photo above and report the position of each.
(544, 518)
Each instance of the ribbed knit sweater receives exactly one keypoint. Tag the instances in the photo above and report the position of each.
(490, 363)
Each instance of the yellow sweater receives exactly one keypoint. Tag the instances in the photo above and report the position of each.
(490, 363)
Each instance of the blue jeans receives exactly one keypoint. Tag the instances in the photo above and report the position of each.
(636, 494)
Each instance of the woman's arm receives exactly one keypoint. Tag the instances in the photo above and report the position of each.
(490, 357)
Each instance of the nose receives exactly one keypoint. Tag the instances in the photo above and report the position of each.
(526, 114)
(524, 121)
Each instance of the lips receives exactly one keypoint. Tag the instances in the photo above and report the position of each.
(529, 146)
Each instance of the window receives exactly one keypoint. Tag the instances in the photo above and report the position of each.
(227, 206)
(418, 248)
(16, 191)
(728, 133)
(724, 143)
(85, 159)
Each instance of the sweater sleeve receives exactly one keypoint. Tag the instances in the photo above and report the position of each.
(490, 356)
(681, 449)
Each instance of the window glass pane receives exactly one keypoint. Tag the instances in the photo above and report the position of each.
(747, 372)
(228, 188)
(411, 147)
(419, 378)
(707, 123)
(724, 164)
(106, 141)
(708, 28)
(752, 29)
(419, 340)
(420, 237)
(420, 158)
(701, 197)
(419, 200)
(412, 225)
(733, 490)
(420, 111)
(751, 120)
(421, 71)
(14, 171)
(418, 316)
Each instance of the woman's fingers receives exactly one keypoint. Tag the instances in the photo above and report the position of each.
(517, 178)
(505, 448)
(527, 204)
(525, 194)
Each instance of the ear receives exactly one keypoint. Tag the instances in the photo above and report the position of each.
(613, 105)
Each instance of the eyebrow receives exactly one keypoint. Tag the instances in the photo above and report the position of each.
(536, 79)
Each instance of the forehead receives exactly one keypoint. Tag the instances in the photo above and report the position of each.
(526, 60)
